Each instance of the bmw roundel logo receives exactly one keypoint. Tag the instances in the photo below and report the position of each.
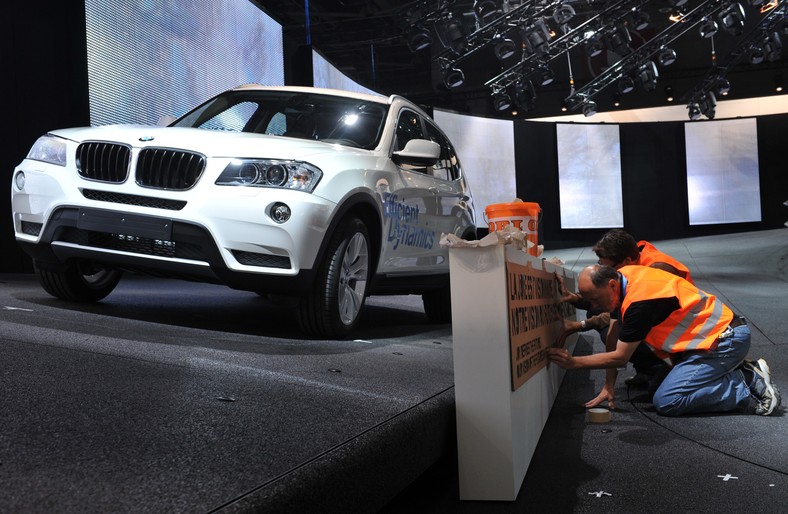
(146, 138)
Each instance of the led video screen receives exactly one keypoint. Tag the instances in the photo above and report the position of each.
(152, 59)
(589, 176)
(722, 172)
(324, 74)
(486, 151)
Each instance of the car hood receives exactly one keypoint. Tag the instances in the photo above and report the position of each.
(207, 142)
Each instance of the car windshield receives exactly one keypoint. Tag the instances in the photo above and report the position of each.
(331, 119)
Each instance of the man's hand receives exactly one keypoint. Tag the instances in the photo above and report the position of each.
(566, 296)
(561, 357)
(607, 394)
(569, 327)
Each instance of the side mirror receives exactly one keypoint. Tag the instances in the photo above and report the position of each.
(418, 152)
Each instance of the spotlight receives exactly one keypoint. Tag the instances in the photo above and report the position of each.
(773, 47)
(419, 38)
(537, 38)
(732, 19)
(485, 10)
(694, 111)
(452, 34)
(617, 99)
(667, 56)
(626, 84)
(647, 75)
(594, 46)
(546, 76)
(525, 95)
(564, 105)
(723, 87)
(707, 28)
(502, 101)
(563, 13)
(668, 93)
(619, 40)
(708, 105)
(589, 108)
(756, 55)
(778, 84)
(640, 20)
(504, 48)
(453, 77)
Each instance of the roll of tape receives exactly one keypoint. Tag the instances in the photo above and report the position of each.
(598, 415)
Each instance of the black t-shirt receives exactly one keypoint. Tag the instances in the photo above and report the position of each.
(642, 316)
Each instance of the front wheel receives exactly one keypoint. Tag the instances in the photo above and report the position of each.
(333, 307)
(80, 281)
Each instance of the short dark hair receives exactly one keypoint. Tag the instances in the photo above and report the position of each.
(616, 245)
(601, 275)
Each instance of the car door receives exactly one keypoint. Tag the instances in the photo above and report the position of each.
(418, 207)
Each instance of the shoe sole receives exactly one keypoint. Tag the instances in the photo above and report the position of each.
(763, 370)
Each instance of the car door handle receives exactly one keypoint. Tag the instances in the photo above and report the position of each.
(435, 190)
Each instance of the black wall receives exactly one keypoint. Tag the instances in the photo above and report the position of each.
(653, 165)
(44, 87)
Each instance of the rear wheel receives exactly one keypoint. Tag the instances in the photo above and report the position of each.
(81, 281)
(437, 304)
(333, 307)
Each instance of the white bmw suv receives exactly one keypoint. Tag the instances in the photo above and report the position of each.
(321, 195)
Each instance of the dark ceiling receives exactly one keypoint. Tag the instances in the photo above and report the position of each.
(368, 41)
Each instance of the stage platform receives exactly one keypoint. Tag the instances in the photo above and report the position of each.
(183, 397)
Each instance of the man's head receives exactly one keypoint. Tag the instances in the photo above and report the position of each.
(600, 286)
(617, 248)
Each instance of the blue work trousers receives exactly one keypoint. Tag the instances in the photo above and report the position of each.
(707, 381)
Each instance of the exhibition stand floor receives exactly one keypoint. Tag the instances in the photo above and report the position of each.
(182, 397)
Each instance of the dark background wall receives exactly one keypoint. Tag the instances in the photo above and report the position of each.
(45, 87)
(653, 162)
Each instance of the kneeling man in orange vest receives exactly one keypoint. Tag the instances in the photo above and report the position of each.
(703, 342)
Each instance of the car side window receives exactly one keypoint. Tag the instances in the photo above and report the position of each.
(448, 166)
(408, 127)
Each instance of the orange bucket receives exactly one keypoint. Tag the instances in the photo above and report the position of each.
(523, 215)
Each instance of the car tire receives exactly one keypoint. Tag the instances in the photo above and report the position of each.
(437, 305)
(333, 307)
(81, 281)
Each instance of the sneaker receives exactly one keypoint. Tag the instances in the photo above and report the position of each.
(638, 380)
(766, 395)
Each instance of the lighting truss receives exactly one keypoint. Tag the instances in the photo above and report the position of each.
(628, 64)
(772, 21)
(508, 22)
(530, 64)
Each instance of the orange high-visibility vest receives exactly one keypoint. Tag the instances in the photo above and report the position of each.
(649, 255)
(695, 325)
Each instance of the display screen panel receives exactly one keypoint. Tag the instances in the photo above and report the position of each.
(152, 59)
(325, 74)
(723, 183)
(589, 176)
(486, 151)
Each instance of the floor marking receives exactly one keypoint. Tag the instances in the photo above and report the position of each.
(727, 477)
(8, 308)
(599, 494)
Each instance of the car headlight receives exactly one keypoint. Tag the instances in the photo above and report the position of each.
(297, 175)
(49, 149)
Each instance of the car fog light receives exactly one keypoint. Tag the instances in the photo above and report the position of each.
(20, 180)
(280, 212)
